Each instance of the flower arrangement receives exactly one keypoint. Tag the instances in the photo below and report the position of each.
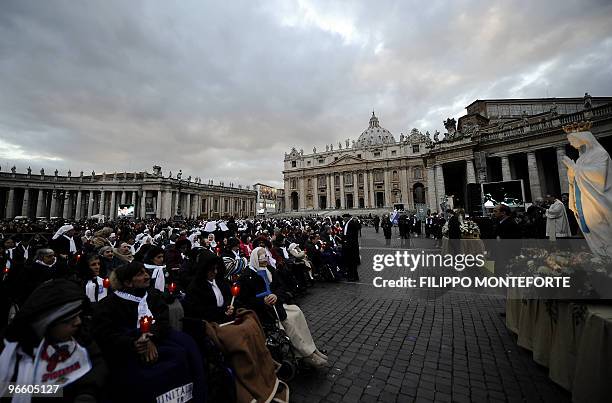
(591, 275)
(469, 229)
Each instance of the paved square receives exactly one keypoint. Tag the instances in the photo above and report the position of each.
(401, 345)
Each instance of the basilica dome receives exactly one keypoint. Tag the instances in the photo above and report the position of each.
(375, 135)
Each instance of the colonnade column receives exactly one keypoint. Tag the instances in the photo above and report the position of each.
(134, 201)
(113, 210)
(315, 193)
(40, 203)
(188, 209)
(102, 202)
(10, 206)
(53, 210)
(158, 204)
(563, 180)
(329, 183)
(534, 176)
(66, 212)
(142, 211)
(90, 203)
(25, 207)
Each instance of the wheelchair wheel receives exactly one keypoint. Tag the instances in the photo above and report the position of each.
(287, 371)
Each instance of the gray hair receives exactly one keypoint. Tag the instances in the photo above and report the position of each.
(43, 252)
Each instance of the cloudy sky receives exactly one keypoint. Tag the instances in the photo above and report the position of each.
(223, 89)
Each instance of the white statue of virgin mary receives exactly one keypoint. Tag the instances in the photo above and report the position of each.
(590, 185)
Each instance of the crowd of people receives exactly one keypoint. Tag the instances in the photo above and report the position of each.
(126, 310)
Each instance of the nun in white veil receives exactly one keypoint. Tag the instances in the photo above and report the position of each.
(590, 185)
(295, 324)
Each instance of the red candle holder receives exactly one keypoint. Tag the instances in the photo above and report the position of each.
(171, 288)
(106, 283)
(5, 270)
(145, 324)
(235, 291)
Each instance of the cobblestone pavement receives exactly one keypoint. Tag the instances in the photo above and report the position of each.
(401, 345)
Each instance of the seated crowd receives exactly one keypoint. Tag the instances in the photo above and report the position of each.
(135, 311)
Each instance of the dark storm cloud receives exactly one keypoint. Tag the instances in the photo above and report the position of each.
(222, 90)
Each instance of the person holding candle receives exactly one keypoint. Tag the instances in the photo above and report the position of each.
(146, 357)
(89, 273)
(208, 296)
(262, 291)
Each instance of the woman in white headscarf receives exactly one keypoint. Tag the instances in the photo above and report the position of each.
(261, 291)
(590, 184)
(63, 241)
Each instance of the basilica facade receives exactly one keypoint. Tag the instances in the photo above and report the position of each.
(497, 140)
(374, 171)
(152, 194)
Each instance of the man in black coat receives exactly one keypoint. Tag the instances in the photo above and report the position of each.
(350, 249)
(507, 232)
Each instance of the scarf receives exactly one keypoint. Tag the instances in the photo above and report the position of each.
(47, 265)
(346, 226)
(217, 292)
(59, 364)
(126, 258)
(143, 307)
(158, 275)
(73, 248)
(95, 291)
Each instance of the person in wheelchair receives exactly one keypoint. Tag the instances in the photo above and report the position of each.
(146, 357)
(262, 291)
(208, 296)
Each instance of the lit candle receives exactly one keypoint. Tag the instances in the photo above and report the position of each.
(235, 291)
(106, 283)
(6, 270)
(145, 324)
(172, 288)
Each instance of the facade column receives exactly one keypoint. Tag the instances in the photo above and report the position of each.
(301, 194)
(53, 209)
(102, 202)
(470, 173)
(66, 212)
(25, 208)
(79, 209)
(315, 192)
(175, 207)
(505, 166)
(440, 189)
(113, 210)
(40, 203)
(355, 190)
(366, 190)
(432, 198)
(123, 196)
(563, 180)
(10, 206)
(329, 182)
(90, 204)
(403, 177)
(372, 190)
(388, 183)
(534, 176)
(342, 201)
